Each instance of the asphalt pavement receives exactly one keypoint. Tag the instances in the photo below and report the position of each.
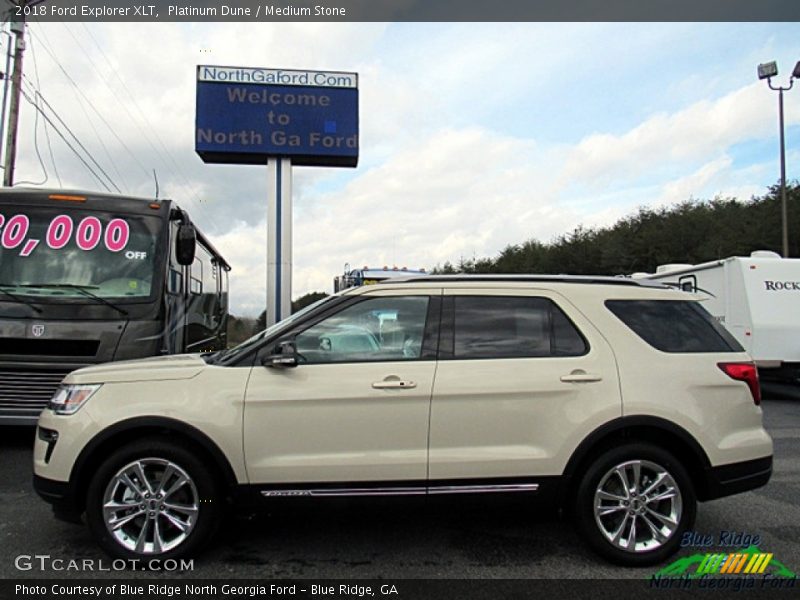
(449, 539)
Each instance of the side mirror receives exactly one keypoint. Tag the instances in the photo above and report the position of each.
(185, 243)
(285, 356)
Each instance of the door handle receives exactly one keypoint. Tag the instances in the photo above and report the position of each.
(394, 384)
(580, 376)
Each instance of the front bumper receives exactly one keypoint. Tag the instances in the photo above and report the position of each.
(734, 478)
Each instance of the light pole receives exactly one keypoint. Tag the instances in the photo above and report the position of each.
(768, 71)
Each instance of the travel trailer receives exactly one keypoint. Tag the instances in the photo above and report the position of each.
(757, 298)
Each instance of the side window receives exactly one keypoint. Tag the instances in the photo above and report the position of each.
(175, 281)
(567, 340)
(203, 279)
(196, 279)
(512, 327)
(688, 283)
(223, 285)
(175, 278)
(375, 329)
(674, 325)
(209, 272)
(214, 283)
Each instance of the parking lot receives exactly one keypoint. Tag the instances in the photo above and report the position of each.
(403, 539)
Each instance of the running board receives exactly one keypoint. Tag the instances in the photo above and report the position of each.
(402, 491)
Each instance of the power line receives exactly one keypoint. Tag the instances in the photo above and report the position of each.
(90, 103)
(97, 135)
(166, 157)
(70, 146)
(38, 154)
(46, 132)
(36, 138)
(99, 138)
(175, 167)
(75, 137)
(52, 156)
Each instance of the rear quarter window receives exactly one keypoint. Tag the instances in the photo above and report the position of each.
(675, 326)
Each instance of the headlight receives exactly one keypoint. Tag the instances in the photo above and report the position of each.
(69, 398)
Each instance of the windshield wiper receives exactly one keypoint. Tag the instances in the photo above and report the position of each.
(18, 298)
(83, 289)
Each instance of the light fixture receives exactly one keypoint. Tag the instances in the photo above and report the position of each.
(767, 70)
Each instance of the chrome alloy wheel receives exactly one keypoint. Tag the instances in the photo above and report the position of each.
(150, 506)
(638, 506)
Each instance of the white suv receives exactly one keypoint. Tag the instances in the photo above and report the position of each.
(621, 401)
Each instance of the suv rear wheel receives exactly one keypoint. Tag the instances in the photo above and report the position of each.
(634, 503)
(152, 499)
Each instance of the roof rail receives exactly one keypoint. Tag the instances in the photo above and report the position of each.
(586, 279)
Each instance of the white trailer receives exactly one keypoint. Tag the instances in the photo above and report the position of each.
(757, 298)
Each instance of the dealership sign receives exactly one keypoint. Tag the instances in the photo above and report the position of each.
(246, 115)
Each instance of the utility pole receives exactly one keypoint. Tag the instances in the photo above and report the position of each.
(18, 28)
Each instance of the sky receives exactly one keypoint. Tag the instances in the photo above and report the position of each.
(472, 136)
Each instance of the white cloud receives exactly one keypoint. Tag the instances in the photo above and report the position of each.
(457, 193)
(664, 140)
(683, 188)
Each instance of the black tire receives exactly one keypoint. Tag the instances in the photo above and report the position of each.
(202, 492)
(597, 529)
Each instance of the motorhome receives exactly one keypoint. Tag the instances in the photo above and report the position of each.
(88, 278)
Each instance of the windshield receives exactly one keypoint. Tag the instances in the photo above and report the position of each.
(249, 343)
(58, 253)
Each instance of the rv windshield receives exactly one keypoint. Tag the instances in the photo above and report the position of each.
(52, 254)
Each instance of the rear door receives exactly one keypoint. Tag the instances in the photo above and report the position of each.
(522, 378)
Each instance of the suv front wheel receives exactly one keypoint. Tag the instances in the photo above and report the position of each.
(152, 499)
(634, 503)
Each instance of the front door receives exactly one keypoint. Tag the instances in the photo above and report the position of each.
(356, 408)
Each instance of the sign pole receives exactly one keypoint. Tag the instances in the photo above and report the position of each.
(279, 239)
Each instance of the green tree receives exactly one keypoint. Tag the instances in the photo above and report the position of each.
(693, 231)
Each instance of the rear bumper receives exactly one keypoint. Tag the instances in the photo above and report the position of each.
(61, 496)
(734, 478)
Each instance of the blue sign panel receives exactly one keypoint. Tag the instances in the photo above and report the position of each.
(247, 115)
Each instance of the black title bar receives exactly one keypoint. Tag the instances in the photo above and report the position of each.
(251, 11)
(142, 588)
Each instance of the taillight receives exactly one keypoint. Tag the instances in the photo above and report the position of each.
(744, 371)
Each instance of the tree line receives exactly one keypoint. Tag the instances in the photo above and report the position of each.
(693, 231)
